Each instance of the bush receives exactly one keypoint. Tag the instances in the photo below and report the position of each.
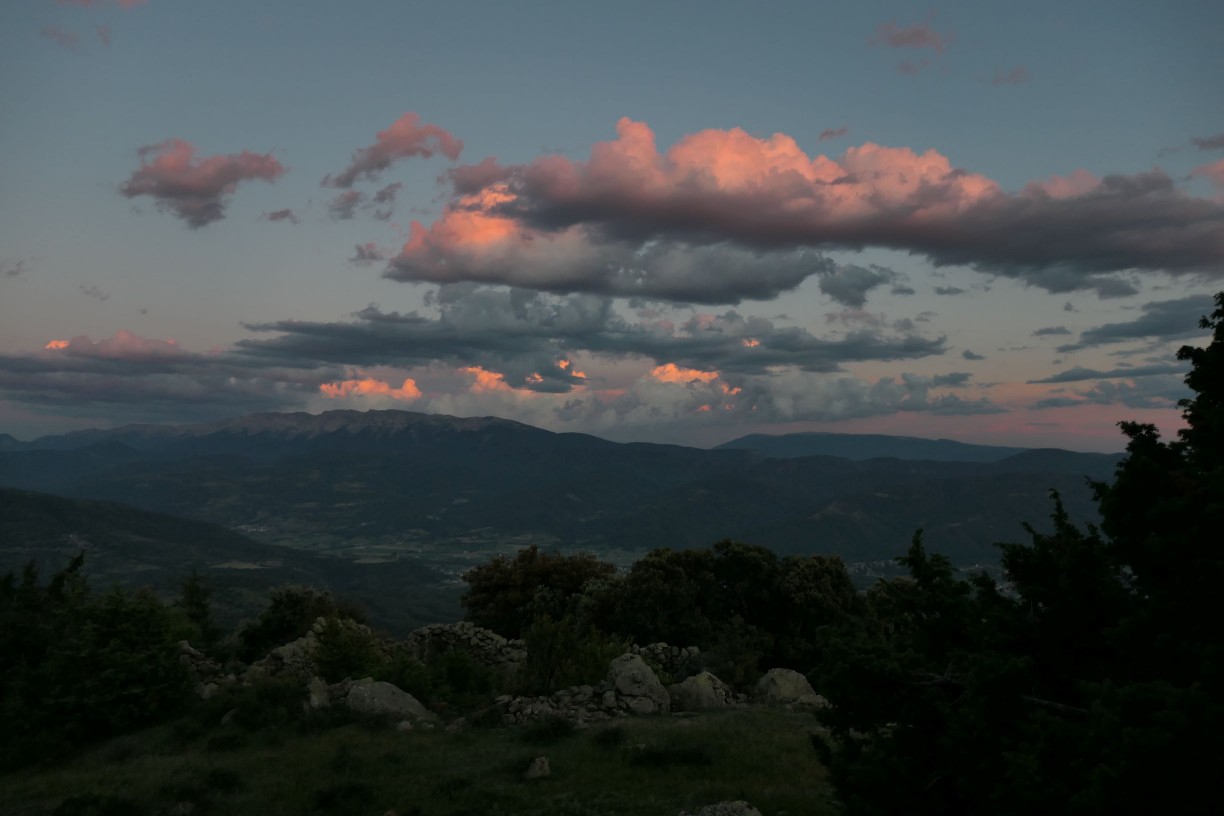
(291, 611)
(547, 730)
(345, 650)
(561, 653)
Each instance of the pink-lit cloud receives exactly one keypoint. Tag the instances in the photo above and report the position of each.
(1213, 172)
(405, 138)
(370, 387)
(104, 34)
(195, 188)
(723, 215)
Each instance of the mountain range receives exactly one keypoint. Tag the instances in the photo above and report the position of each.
(378, 486)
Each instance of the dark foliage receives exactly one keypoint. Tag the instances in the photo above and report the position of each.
(290, 613)
(1092, 683)
(507, 595)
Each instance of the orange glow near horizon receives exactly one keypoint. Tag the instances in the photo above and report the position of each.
(486, 380)
(57, 344)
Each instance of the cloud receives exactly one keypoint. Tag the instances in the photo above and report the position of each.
(949, 290)
(919, 35)
(1145, 393)
(1213, 172)
(1016, 76)
(195, 189)
(93, 292)
(722, 216)
(282, 215)
(1051, 330)
(1078, 374)
(1215, 142)
(370, 387)
(344, 205)
(366, 254)
(383, 201)
(832, 133)
(61, 37)
(969, 355)
(405, 138)
(103, 33)
(12, 269)
(1160, 320)
(850, 284)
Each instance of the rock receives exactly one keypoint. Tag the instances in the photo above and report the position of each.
(636, 685)
(206, 691)
(318, 694)
(386, 700)
(737, 808)
(404, 726)
(538, 769)
(700, 692)
(780, 686)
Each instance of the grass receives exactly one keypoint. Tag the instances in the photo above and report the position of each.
(656, 765)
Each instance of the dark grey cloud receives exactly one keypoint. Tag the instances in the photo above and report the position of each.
(1215, 142)
(1159, 320)
(383, 201)
(366, 254)
(282, 215)
(1158, 391)
(406, 138)
(12, 269)
(832, 133)
(949, 290)
(344, 205)
(850, 284)
(1078, 373)
(969, 355)
(93, 292)
(1049, 331)
(521, 332)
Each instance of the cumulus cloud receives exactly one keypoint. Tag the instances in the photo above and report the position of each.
(969, 355)
(1213, 172)
(405, 138)
(194, 188)
(723, 215)
(371, 387)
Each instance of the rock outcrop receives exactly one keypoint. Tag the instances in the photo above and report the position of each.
(701, 692)
(636, 685)
(678, 662)
(784, 686)
(389, 701)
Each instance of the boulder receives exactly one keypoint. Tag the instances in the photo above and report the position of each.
(700, 692)
(318, 695)
(538, 769)
(386, 700)
(782, 686)
(636, 685)
(737, 808)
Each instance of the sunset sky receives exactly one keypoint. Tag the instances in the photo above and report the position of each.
(666, 221)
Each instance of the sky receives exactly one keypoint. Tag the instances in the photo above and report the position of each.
(670, 222)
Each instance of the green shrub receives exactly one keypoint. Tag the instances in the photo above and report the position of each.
(562, 653)
(547, 730)
(344, 650)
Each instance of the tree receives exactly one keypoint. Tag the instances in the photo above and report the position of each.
(507, 595)
(1092, 683)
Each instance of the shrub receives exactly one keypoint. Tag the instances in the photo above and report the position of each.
(345, 650)
(547, 730)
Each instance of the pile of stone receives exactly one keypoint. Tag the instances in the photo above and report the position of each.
(486, 647)
(210, 677)
(676, 661)
(631, 689)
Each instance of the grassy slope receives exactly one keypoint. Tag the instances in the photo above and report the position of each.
(763, 756)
